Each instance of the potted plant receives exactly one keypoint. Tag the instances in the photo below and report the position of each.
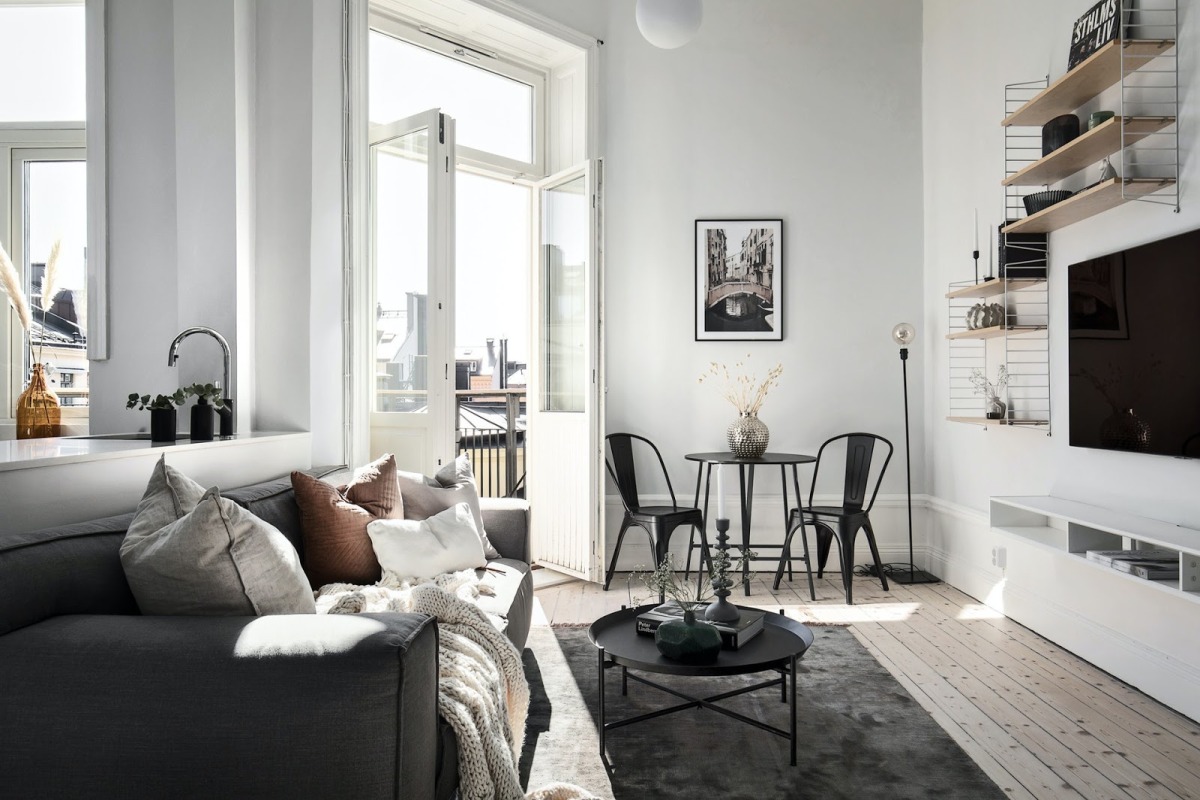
(208, 398)
(994, 407)
(162, 412)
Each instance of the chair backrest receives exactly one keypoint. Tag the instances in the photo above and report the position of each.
(622, 467)
(860, 450)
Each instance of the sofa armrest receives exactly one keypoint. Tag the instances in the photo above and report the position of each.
(282, 706)
(506, 521)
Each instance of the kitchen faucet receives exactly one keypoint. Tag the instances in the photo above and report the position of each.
(173, 356)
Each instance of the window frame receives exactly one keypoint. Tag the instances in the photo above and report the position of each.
(53, 143)
(483, 160)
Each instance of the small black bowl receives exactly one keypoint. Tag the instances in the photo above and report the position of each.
(1058, 132)
(1039, 201)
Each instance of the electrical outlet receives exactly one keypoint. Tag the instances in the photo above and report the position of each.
(1000, 557)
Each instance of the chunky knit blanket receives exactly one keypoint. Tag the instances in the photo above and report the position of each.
(482, 691)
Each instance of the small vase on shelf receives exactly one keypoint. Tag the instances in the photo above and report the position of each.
(202, 421)
(38, 412)
(748, 436)
(163, 423)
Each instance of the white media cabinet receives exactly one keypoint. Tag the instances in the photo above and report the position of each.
(1073, 528)
(1139, 630)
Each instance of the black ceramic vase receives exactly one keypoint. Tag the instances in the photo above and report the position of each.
(688, 640)
(1058, 132)
(202, 421)
(162, 424)
(226, 415)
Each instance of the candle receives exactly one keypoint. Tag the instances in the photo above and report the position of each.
(720, 494)
(976, 228)
(991, 252)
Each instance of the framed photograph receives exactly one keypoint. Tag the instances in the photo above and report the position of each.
(1096, 299)
(739, 286)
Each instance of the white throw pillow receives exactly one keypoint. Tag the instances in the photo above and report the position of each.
(446, 542)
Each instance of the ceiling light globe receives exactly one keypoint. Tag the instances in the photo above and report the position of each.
(903, 334)
(669, 23)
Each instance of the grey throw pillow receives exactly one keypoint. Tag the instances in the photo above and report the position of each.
(453, 484)
(189, 552)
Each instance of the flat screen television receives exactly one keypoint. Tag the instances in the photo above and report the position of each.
(1134, 322)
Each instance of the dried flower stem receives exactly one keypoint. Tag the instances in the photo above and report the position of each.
(743, 391)
(49, 289)
(11, 282)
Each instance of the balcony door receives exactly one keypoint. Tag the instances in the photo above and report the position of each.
(565, 441)
(412, 263)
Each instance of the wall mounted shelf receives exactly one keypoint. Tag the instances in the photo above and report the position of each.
(998, 422)
(1099, 72)
(995, 331)
(1100, 142)
(1087, 203)
(993, 288)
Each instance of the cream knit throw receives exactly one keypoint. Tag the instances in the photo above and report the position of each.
(482, 691)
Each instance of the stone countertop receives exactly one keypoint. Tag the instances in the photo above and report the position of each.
(29, 453)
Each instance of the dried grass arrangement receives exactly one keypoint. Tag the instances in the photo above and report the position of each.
(743, 390)
(11, 282)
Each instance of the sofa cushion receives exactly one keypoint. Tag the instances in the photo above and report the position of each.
(511, 582)
(424, 549)
(333, 522)
(216, 559)
(70, 569)
(453, 484)
(275, 502)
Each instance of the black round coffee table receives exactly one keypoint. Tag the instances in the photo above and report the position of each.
(781, 644)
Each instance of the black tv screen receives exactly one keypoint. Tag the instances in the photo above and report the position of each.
(1134, 321)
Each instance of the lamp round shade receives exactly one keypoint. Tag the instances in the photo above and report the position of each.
(669, 23)
(903, 334)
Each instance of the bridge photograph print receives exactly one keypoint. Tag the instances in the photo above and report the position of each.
(739, 291)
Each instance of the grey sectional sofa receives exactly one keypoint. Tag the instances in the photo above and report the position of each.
(99, 701)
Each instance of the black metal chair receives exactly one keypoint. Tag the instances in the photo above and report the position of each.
(841, 522)
(659, 522)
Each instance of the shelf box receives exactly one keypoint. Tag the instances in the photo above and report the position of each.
(1088, 203)
(1102, 141)
(1081, 538)
(1101, 70)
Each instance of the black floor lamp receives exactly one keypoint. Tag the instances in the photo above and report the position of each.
(903, 334)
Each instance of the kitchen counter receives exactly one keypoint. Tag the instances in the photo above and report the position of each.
(46, 482)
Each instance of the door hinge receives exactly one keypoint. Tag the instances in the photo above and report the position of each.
(447, 164)
(441, 128)
(446, 371)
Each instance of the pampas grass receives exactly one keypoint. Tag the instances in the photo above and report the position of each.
(50, 279)
(11, 282)
(743, 390)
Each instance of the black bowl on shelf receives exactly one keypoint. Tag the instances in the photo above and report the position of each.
(1058, 132)
(1039, 201)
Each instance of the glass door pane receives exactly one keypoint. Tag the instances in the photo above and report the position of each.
(566, 242)
(400, 205)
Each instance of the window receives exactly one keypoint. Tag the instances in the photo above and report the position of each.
(43, 175)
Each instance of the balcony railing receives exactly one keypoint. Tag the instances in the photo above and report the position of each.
(491, 430)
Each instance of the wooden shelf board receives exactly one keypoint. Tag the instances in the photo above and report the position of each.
(1101, 70)
(996, 330)
(994, 287)
(1087, 203)
(1101, 141)
(997, 422)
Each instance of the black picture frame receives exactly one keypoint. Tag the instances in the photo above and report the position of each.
(739, 288)
(1096, 27)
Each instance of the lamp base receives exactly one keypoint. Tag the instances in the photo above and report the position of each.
(906, 577)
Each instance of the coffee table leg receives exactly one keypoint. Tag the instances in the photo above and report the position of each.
(791, 713)
(600, 694)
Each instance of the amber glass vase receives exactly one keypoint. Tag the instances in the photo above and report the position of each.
(38, 414)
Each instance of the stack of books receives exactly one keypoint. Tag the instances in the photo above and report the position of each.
(1151, 565)
(733, 634)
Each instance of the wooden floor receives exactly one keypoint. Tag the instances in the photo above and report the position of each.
(1038, 720)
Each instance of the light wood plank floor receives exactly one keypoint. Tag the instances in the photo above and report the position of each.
(1041, 722)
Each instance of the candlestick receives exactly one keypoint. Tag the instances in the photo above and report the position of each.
(721, 610)
(991, 252)
(721, 494)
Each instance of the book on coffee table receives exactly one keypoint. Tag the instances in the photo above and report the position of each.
(1112, 558)
(733, 635)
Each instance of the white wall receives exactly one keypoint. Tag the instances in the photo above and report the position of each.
(802, 110)
(971, 52)
(224, 123)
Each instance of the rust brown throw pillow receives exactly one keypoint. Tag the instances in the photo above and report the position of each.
(333, 522)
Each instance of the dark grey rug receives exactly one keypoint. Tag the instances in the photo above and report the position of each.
(861, 734)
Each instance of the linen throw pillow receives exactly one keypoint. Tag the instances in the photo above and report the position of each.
(193, 552)
(422, 549)
(333, 522)
(453, 484)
